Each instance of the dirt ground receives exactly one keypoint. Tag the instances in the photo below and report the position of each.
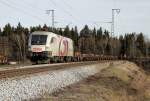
(123, 82)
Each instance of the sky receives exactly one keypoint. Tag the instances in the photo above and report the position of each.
(134, 15)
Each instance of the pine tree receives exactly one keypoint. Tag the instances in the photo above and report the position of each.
(39, 28)
(19, 28)
(85, 32)
(45, 28)
(67, 32)
(1, 32)
(99, 33)
(141, 43)
(93, 44)
(7, 30)
(99, 45)
(122, 42)
(76, 38)
(106, 34)
(60, 32)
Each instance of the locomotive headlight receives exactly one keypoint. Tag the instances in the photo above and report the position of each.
(29, 48)
(46, 48)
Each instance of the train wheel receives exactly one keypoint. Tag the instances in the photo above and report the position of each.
(61, 59)
(68, 59)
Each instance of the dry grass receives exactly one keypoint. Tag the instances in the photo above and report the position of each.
(118, 73)
(111, 84)
(147, 89)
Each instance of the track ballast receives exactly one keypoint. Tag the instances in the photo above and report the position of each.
(27, 70)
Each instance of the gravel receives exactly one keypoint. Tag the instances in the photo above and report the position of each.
(30, 87)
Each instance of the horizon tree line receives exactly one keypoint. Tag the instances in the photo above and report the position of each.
(87, 41)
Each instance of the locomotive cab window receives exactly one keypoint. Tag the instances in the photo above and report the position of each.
(39, 39)
(53, 40)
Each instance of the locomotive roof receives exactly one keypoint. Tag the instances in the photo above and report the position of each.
(43, 33)
(47, 33)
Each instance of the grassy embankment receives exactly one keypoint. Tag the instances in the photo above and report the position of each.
(124, 82)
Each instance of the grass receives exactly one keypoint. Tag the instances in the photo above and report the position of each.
(4, 65)
(118, 73)
(147, 90)
(95, 88)
(111, 84)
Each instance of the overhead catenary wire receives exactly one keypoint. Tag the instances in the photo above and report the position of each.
(21, 10)
(66, 4)
(30, 14)
(36, 8)
(69, 7)
(31, 6)
(61, 8)
(65, 11)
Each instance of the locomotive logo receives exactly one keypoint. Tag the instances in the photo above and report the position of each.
(63, 47)
(37, 50)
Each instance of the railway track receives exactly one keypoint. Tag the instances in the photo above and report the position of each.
(27, 70)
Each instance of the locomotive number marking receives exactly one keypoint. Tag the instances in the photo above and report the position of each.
(37, 50)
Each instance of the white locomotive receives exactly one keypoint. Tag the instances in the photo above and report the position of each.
(50, 46)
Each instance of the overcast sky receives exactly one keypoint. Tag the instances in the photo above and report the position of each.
(134, 15)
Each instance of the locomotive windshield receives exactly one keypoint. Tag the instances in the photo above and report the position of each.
(39, 39)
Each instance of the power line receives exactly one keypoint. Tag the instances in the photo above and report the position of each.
(27, 11)
(35, 7)
(69, 7)
(65, 11)
(62, 8)
(65, 3)
(20, 10)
